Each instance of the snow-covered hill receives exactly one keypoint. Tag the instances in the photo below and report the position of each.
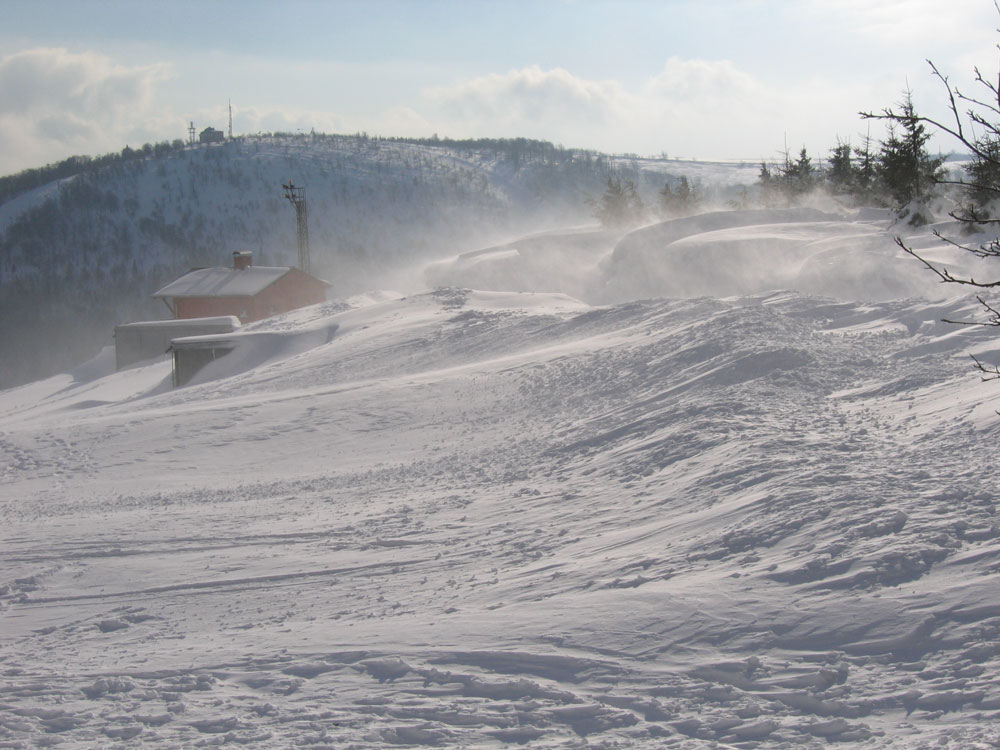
(83, 254)
(474, 519)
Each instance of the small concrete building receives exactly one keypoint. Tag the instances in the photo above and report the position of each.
(138, 342)
(247, 291)
(211, 135)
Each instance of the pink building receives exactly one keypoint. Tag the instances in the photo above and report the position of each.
(247, 291)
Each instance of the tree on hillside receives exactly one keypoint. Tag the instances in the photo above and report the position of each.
(620, 205)
(974, 123)
(680, 201)
(788, 182)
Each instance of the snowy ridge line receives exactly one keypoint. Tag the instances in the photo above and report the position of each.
(222, 584)
(182, 545)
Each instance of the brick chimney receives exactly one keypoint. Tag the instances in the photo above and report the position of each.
(242, 259)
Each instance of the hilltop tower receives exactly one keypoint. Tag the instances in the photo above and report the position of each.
(230, 119)
(191, 133)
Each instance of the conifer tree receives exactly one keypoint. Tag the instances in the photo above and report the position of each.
(905, 169)
(788, 182)
(983, 173)
(864, 170)
(679, 202)
(798, 176)
(620, 205)
(768, 186)
(668, 201)
(974, 123)
(840, 176)
(685, 193)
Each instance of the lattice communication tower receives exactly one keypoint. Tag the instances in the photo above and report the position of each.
(296, 196)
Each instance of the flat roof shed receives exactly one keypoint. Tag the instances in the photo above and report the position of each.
(192, 353)
(149, 339)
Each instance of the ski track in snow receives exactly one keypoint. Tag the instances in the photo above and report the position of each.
(484, 519)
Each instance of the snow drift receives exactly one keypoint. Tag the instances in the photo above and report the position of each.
(723, 253)
(487, 518)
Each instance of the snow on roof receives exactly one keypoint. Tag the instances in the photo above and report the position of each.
(184, 323)
(208, 341)
(223, 282)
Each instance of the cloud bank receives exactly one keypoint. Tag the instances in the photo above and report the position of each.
(691, 107)
(55, 103)
(919, 21)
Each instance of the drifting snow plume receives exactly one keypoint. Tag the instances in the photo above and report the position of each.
(718, 254)
(559, 261)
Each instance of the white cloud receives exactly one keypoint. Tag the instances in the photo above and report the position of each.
(694, 80)
(262, 119)
(249, 120)
(691, 107)
(54, 103)
(924, 22)
(529, 97)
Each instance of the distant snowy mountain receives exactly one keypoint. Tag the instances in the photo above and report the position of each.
(79, 255)
(478, 519)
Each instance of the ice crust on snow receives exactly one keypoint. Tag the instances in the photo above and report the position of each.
(481, 518)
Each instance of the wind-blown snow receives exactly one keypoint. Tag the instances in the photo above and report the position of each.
(719, 254)
(477, 519)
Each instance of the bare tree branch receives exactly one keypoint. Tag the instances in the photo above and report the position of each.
(989, 250)
(974, 122)
(990, 372)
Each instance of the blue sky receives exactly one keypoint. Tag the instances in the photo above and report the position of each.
(708, 79)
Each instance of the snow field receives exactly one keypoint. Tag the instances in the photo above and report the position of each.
(482, 519)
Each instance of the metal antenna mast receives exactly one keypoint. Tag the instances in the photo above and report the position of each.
(230, 119)
(191, 133)
(296, 196)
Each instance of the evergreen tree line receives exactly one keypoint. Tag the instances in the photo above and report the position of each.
(896, 172)
(622, 206)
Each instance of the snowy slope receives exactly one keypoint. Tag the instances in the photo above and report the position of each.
(471, 519)
(82, 254)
